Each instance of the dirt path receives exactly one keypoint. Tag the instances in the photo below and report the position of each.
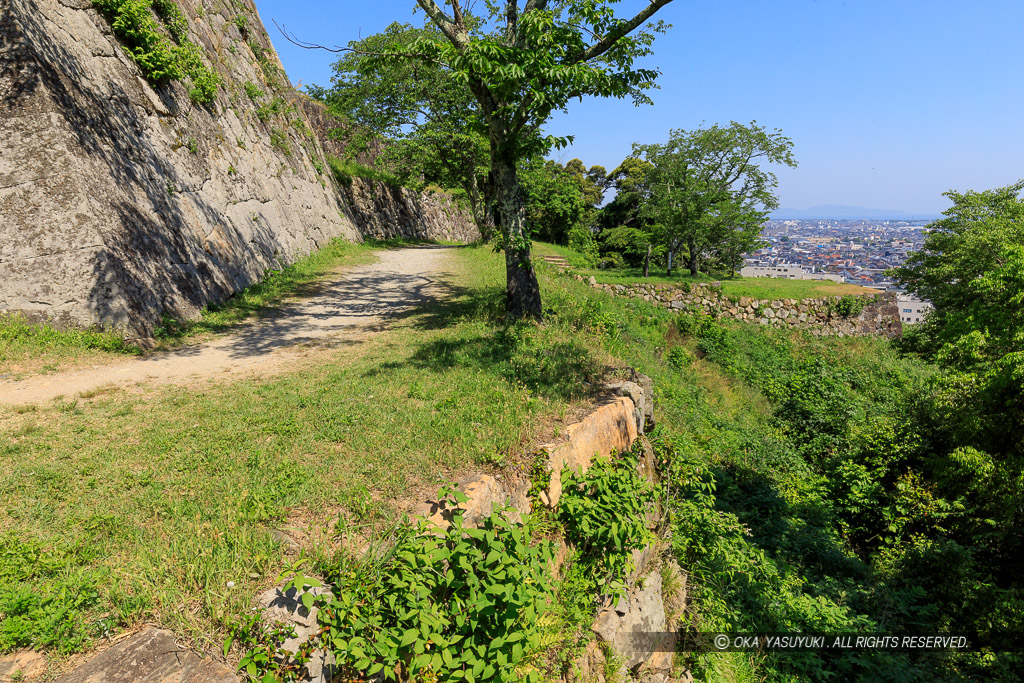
(345, 308)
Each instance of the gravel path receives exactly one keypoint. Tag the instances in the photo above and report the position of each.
(346, 307)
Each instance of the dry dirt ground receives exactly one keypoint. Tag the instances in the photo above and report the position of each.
(347, 306)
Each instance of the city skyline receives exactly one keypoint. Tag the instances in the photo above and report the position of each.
(888, 104)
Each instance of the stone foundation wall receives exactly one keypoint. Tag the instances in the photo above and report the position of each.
(121, 200)
(384, 211)
(874, 314)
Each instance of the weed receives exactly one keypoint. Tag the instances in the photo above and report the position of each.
(254, 92)
(604, 512)
(279, 141)
(159, 60)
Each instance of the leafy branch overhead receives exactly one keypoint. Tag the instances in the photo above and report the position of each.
(522, 64)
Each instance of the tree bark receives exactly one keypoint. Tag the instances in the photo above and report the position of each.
(694, 258)
(647, 262)
(522, 292)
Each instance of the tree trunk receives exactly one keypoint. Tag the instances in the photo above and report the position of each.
(481, 205)
(522, 293)
(694, 259)
(647, 262)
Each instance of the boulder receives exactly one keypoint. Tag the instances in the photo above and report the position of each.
(611, 428)
(285, 607)
(635, 625)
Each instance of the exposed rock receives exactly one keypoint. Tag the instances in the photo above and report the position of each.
(385, 212)
(611, 428)
(150, 656)
(286, 608)
(878, 317)
(635, 626)
(636, 394)
(122, 201)
(484, 493)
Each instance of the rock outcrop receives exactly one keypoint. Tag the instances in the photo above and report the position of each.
(385, 212)
(121, 200)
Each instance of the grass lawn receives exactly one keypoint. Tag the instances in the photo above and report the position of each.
(754, 287)
(131, 507)
(136, 507)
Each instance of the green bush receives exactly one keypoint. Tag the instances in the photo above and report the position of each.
(458, 604)
(849, 305)
(604, 512)
(679, 357)
(134, 23)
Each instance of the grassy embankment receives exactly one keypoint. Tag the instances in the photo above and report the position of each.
(126, 508)
(123, 509)
(754, 287)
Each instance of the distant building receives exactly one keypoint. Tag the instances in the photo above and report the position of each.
(789, 271)
(912, 309)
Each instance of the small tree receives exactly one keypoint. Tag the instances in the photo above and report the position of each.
(522, 62)
(423, 113)
(707, 191)
(971, 269)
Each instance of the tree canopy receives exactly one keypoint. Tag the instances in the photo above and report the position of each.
(706, 189)
(522, 61)
(424, 115)
(971, 269)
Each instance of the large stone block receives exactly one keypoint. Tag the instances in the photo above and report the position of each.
(610, 428)
(635, 626)
(150, 656)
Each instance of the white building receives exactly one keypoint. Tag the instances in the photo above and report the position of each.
(789, 271)
(912, 309)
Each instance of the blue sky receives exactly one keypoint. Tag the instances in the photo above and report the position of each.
(888, 104)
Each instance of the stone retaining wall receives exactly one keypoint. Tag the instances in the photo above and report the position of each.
(121, 200)
(878, 314)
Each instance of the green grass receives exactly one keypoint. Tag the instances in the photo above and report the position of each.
(754, 287)
(134, 507)
(146, 506)
(345, 171)
(27, 347)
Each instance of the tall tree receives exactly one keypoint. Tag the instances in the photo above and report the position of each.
(708, 191)
(522, 61)
(423, 113)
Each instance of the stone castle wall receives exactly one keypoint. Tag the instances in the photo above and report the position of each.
(121, 200)
(878, 314)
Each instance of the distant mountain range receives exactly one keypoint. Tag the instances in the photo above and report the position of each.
(849, 213)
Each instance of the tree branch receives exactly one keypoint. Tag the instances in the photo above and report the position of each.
(449, 27)
(599, 48)
(291, 38)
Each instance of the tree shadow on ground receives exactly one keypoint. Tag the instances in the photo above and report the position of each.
(524, 353)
